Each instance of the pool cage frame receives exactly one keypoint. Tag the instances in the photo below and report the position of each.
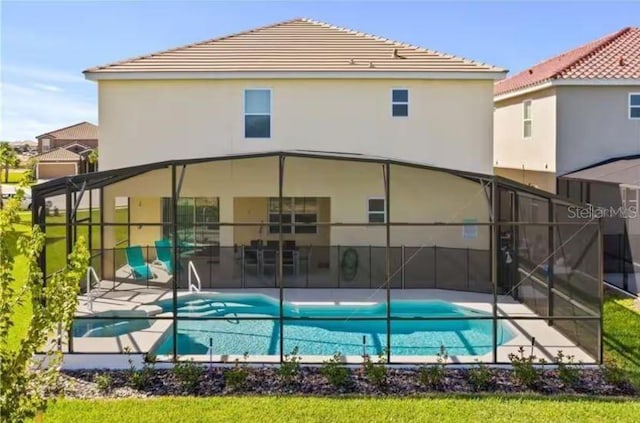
(75, 187)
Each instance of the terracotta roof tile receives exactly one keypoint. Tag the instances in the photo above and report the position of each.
(615, 56)
(80, 131)
(59, 155)
(298, 45)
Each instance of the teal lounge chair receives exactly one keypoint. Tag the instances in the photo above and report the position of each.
(140, 269)
(163, 255)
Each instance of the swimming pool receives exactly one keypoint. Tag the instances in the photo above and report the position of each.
(104, 328)
(324, 329)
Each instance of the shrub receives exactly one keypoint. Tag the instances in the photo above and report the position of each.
(236, 377)
(524, 371)
(376, 373)
(139, 378)
(335, 373)
(613, 374)
(188, 373)
(568, 373)
(103, 382)
(480, 376)
(433, 376)
(290, 367)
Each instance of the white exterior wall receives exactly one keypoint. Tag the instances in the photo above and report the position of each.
(594, 125)
(450, 122)
(511, 149)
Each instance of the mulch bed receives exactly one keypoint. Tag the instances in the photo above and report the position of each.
(309, 381)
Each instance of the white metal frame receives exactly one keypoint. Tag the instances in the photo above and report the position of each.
(194, 272)
(383, 212)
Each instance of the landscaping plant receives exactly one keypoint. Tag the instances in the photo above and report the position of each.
(376, 373)
(335, 372)
(568, 371)
(103, 382)
(524, 371)
(235, 378)
(25, 380)
(188, 373)
(433, 376)
(480, 376)
(289, 369)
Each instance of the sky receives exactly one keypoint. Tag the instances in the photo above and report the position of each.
(45, 45)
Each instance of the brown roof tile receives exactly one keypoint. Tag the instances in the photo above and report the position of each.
(59, 155)
(79, 131)
(298, 45)
(615, 56)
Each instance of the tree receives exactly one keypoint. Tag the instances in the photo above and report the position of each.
(93, 159)
(25, 380)
(8, 159)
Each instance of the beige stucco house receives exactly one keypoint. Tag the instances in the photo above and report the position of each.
(569, 112)
(64, 151)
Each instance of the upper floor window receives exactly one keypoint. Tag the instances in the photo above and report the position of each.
(376, 210)
(527, 121)
(399, 102)
(634, 106)
(257, 113)
(46, 145)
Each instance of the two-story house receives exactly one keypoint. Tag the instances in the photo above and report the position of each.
(65, 151)
(569, 125)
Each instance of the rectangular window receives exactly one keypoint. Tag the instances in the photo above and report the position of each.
(46, 145)
(297, 210)
(197, 220)
(399, 102)
(257, 113)
(634, 106)
(527, 120)
(376, 210)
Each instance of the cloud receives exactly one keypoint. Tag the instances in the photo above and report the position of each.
(41, 74)
(47, 87)
(28, 111)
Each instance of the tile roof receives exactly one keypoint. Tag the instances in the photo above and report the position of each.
(298, 45)
(615, 56)
(80, 131)
(59, 155)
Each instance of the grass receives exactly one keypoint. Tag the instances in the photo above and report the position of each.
(15, 176)
(300, 409)
(622, 335)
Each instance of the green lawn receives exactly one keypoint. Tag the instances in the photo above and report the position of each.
(15, 176)
(622, 335)
(300, 409)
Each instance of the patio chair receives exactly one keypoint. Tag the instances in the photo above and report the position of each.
(140, 269)
(163, 255)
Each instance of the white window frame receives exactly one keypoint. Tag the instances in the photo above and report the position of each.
(393, 103)
(46, 145)
(525, 119)
(245, 114)
(632, 107)
(628, 203)
(383, 212)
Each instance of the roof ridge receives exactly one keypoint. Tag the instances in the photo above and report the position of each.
(185, 46)
(66, 127)
(401, 43)
(600, 44)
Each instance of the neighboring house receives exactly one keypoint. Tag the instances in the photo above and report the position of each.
(569, 112)
(65, 151)
(571, 125)
(84, 133)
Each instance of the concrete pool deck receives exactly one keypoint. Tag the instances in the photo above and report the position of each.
(105, 300)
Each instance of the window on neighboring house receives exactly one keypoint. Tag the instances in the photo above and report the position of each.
(257, 113)
(527, 121)
(46, 145)
(296, 210)
(376, 210)
(634, 106)
(400, 102)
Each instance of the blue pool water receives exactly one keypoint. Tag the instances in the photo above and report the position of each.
(343, 334)
(99, 328)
